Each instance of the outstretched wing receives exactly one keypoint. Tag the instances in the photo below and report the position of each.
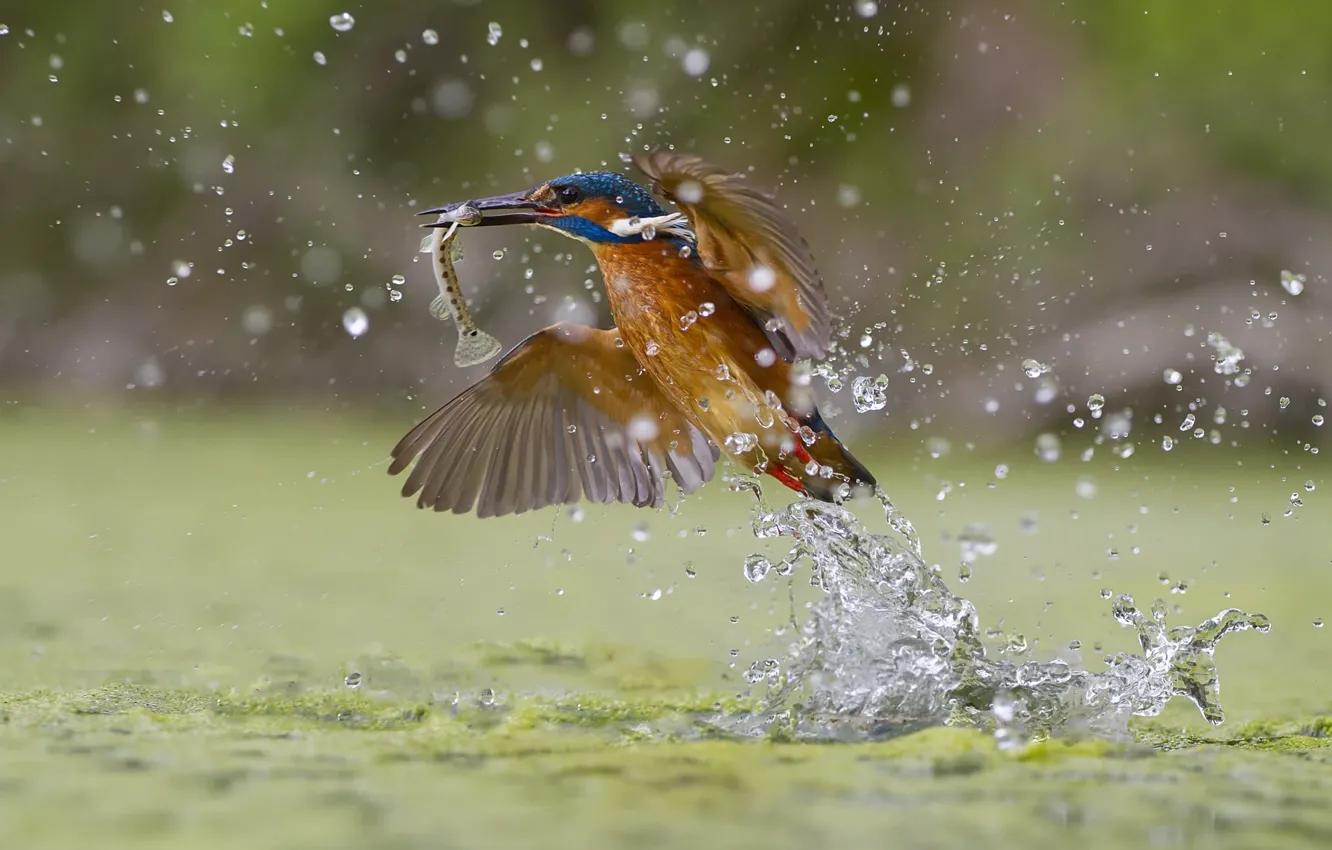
(567, 413)
(751, 246)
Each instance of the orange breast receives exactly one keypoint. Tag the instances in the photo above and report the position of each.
(708, 355)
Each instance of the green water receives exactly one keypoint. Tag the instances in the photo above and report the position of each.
(183, 596)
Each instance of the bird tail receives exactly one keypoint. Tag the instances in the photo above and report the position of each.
(827, 451)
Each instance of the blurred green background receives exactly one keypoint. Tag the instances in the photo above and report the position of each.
(192, 197)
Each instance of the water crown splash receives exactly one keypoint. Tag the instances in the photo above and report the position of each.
(889, 648)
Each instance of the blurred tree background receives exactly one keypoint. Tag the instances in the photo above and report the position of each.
(212, 199)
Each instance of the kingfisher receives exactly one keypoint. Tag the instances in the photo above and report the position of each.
(713, 306)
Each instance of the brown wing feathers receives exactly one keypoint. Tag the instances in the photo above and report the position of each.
(551, 425)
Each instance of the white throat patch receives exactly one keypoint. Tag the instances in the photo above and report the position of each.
(673, 224)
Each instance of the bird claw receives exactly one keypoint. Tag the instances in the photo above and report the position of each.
(786, 479)
(802, 453)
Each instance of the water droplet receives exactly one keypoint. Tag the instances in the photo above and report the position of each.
(353, 680)
(1188, 422)
(1095, 402)
(870, 394)
(1318, 623)
(976, 541)
(762, 278)
(499, 255)
(150, 374)
(1317, 420)
(1034, 368)
(1173, 376)
(430, 37)
(1227, 356)
(652, 348)
(319, 57)
(1292, 283)
(867, 8)
(342, 21)
(707, 308)
(1117, 426)
(355, 321)
(1049, 447)
(695, 62)
(689, 192)
(687, 320)
(493, 33)
(229, 164)
(644, 428)
(257, 320)
(757, 568)
(641, 533)
(1167, 443)
(741, 442)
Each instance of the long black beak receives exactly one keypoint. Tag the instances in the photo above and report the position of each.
(501, 209)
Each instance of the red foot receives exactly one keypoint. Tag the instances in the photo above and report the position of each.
(802, 453)
(786, 478)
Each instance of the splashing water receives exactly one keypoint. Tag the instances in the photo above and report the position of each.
(889, 649)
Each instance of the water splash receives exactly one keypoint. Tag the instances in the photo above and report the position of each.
(890, 648)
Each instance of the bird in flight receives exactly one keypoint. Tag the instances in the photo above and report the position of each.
(712, 306)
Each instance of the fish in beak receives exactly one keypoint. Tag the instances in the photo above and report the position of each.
(515, 208)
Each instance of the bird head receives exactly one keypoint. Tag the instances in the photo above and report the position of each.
(599, 207)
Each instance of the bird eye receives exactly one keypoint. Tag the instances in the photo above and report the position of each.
(570, 195)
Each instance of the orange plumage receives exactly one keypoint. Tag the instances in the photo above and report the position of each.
(708, 321)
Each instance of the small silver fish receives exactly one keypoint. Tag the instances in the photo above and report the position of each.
(474, 345)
